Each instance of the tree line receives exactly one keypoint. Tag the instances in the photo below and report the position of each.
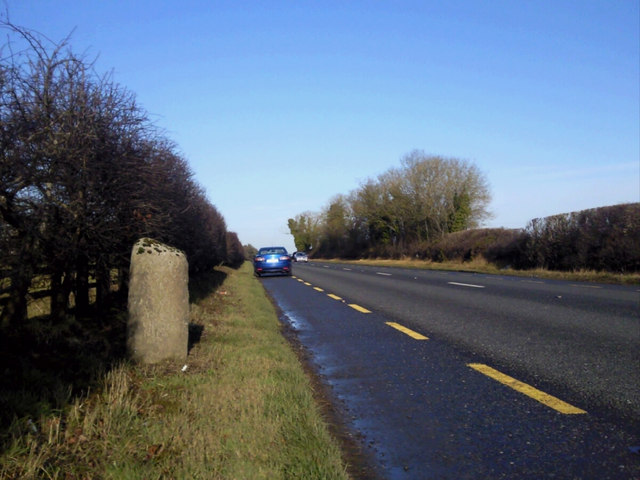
(83, 174)
(598, 239)
(424, 199)
(605, 238)
(431, 207)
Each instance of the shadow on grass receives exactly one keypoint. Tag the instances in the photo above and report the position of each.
(45, 364)
(201, 287)
(195, 334)
(204, 284)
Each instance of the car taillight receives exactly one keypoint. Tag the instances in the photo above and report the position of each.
(259, 259)
(284, 258)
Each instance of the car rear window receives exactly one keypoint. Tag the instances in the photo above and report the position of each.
(267, 251)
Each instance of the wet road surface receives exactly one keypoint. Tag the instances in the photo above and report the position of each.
(426, 405)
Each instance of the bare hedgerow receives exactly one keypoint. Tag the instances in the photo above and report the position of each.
(606, 238)
(83, 174)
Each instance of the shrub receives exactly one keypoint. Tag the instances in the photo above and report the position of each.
(606, 238)
(603, 239)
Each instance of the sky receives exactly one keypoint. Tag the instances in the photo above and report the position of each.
(278, 106)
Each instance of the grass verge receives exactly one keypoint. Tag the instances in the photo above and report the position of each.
(243, 409)
(480, 265)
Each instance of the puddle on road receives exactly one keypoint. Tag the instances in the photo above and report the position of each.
(298, 324)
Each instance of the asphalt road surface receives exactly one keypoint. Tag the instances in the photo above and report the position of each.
(445, 375)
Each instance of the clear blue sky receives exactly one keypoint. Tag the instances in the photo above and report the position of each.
(280, 105)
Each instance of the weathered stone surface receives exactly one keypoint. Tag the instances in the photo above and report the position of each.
(158, 325)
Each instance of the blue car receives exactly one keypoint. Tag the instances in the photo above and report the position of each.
(272, 260)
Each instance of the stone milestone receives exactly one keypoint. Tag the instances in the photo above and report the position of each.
(158, 304)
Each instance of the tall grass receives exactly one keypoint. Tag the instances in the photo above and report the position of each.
(242, 409)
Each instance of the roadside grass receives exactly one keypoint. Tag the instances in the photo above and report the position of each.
(480, 265)
(242, 409)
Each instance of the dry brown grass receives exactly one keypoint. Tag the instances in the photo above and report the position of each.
(480, 265)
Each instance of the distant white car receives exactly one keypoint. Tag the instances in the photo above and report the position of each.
(300, 257)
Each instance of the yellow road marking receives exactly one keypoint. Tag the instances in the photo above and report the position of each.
(528, 390)
(408, 331)
(300, 280)
(307, 283)
(359, 308)
(335, 297)
(318, 289)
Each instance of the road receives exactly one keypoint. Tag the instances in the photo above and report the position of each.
(457, 375)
